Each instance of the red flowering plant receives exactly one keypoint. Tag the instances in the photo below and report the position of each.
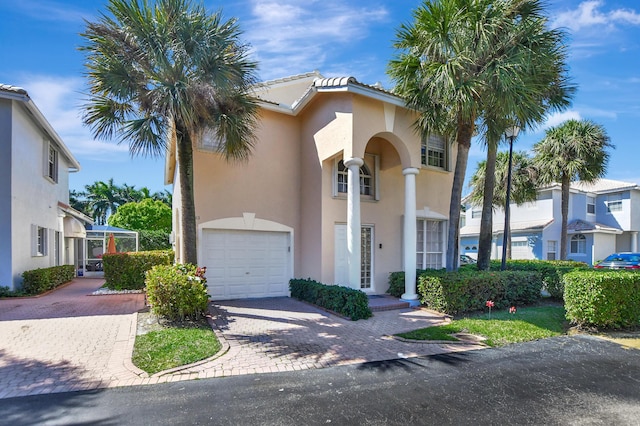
(489, 304)
(512, 310)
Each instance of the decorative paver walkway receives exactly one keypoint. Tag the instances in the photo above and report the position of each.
(67, 340)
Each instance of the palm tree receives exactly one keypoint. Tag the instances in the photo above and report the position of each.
(523, 184)
(574, 150)
(161, 75)
(472, 66)
(103, 200)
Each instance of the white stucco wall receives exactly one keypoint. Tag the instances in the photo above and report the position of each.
(34, 198)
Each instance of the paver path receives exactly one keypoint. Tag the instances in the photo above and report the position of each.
(283, 334)
(68, 340)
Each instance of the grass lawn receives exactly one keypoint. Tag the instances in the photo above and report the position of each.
(174, 346)
(501, 328)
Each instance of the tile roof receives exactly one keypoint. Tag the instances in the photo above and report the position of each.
(604, 185)
(14, 89)
(578, 225)
(531, 225)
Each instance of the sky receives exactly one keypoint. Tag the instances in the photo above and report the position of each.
(39, 42)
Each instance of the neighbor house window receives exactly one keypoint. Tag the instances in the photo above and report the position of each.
(552, 248)
(38, 241)
(578, 244)
(430, 243)
(476, 214)
(368, 170)
(51, 163)
(591, 205)
(434, 151)
(614, 203)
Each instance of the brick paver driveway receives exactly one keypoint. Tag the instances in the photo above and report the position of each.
(66, 340)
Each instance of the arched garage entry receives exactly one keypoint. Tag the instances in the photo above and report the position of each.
(246, 257)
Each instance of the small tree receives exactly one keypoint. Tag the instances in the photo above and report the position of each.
(148, 214)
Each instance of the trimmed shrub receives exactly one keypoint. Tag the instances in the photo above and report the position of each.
(455, 292)
(396, 282)
(44, 279)
(126, 271)
(342, 300)
(607, 299)
(550, 271)
(177, 292)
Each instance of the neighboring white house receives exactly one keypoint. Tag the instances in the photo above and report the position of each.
(38, 229)
(604, 218)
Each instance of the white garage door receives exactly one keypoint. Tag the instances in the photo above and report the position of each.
(243, 264)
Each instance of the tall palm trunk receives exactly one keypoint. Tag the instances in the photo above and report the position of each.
(566, 183)
(187, 205)
(464, 144)
(486, 221)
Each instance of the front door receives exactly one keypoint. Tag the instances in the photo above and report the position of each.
(341, 276)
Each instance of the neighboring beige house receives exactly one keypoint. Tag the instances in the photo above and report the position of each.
(339, 189)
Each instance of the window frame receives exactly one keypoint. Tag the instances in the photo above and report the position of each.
(369, 170)
(423, 243)
(552, 248)
(426, 149)
(614, 200)
(39, 241)
(580, 243)
(591, 204)
(51, 162)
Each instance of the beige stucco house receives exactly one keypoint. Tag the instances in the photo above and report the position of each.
(340, 189)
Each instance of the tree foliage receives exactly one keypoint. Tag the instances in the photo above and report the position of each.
(471, 67)
(162, 74)
(147, 214)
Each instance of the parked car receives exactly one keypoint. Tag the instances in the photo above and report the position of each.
(466, 259)
(620, 261)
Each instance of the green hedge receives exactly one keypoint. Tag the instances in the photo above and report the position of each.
(550, 271)
(396, 282)
(607, 299)
(342, 300)
(176, 292)
(126, 271)
(455, 292)
(44, 279)
(154, 240)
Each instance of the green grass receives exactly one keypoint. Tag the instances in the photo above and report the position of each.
(173, 347)
(501, 328)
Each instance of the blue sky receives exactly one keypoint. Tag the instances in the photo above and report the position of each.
(39, 40)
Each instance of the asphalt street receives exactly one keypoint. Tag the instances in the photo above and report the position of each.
(577, 380)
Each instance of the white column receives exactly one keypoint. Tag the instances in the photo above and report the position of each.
(353, 220)
(410, 235)
(634, 241)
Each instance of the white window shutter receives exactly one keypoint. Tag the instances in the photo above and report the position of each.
(34, 240)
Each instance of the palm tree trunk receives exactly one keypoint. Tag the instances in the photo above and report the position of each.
(486, 221)
(509, 242)
(187, 206)
(566, 183)
(464, 143)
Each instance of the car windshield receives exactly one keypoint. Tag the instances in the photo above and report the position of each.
(623, 257)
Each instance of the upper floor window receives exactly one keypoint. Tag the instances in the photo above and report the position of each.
(434, 151)
(476, 214)
(51, 163)
(368, 187)
(578, 244)
(614, 203)
(209, 141)
(591, 205)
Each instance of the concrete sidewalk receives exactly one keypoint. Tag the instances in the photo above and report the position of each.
(68, 340)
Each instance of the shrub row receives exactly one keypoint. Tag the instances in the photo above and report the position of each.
(607, 299)
(396, 282)
(550, 271)
(177, 292)
(126, 271)
(342, 300)
(44, 279)
(455, 292)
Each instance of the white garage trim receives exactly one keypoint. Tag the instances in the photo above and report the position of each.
(246, 223)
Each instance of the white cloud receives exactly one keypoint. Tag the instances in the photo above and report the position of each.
(557, 118)
(49, 11)
(289, 37)
(59, 99)
(589, 15)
